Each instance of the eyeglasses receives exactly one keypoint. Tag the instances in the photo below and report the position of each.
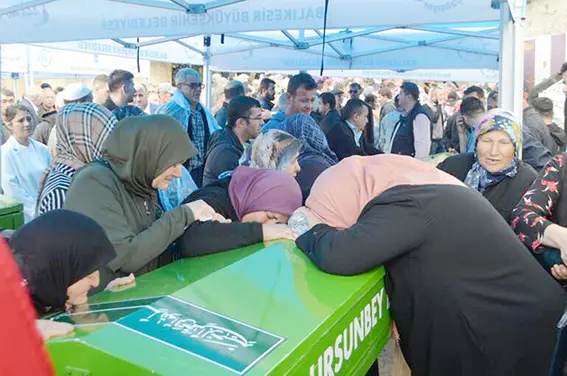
(254, 118)
(353, 91)
(194, 85)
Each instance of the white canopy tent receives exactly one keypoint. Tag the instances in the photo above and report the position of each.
(26, 21)
(456, 75)
(383, 34)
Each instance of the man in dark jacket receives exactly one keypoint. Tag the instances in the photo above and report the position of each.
(232, 90)
(544, 107)
(533, 121)
(434, 109)
(328, 108)
(122, 89)
(267, 93)
(345, 137)
(7, 98)
(453, 136)
(227, 145)
(533, 152)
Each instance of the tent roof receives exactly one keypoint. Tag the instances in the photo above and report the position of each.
(29, 21)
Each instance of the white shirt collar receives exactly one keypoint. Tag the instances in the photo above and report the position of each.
(357, 133)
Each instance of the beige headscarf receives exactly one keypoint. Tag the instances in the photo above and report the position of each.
(342, 191)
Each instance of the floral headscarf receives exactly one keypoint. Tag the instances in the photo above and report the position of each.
(274, 149)
(478, 177)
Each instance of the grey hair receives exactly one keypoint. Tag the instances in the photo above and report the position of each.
(186, 75)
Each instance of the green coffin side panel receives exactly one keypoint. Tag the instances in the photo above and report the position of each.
(272, 312)
(11, 213)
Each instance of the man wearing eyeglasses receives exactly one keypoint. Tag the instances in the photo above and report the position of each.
(354, 90)
(198, 121)
(227, 145)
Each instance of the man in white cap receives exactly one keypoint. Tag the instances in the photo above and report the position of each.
(165, 92)
(73, 93)
(198, 122)
(232, 90)
(77, 93)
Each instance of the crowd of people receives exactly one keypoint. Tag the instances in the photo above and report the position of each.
(114, 186)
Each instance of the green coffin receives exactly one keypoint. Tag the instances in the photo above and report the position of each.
(11, 213)
(261, 310)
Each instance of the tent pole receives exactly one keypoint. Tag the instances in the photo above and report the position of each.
(518, 67)
(506, 81)
(208, 77)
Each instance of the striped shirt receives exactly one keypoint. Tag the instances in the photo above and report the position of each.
(55, 188)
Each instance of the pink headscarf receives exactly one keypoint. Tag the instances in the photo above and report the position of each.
(342, 191)
(263, 189)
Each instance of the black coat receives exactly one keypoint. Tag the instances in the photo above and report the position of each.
(222, 115)
(503, 196)
(533, 151)
(467, 297)
(223, 152)
(202, 238)
(332, 119)
(558, 135)
(341, 141)
(451, 133)
(533, 121)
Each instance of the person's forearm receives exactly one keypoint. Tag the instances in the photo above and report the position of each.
(152, 242)
(555, 236)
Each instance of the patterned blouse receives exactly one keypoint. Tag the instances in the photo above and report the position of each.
(55, 188)
(531, 216)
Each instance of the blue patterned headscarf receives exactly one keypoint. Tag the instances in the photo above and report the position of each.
(478, 177)
(304, 128)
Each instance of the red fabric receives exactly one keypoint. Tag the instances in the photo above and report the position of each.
(21, 347)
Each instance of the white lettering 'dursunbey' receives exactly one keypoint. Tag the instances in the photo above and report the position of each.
(346, 343)
(210, 333)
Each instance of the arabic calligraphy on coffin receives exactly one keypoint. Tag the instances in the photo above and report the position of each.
(210, 332)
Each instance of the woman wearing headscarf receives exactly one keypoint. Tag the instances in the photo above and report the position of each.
(60, 255)
(540, 220)
(23, 351)
(494, 169)
(258, 201)
(273, 149)
(178, 188)
(315, 156)
(466, 297)
(142, 154)
(81, 131)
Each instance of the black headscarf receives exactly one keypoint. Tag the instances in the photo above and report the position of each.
(56, 250)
